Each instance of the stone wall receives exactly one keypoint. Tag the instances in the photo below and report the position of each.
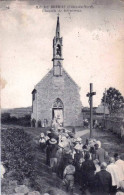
(115, 125)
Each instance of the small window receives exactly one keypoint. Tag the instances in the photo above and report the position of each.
(33, 96)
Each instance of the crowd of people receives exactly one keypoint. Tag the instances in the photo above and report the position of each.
(85, 164)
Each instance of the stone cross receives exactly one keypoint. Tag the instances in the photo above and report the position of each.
(90, 95)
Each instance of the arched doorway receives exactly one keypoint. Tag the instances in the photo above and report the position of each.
(58, 111)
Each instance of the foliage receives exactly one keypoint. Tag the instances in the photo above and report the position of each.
(23, 121)
(17, 154)
(5, 117)
(113, 99)
(24, 161)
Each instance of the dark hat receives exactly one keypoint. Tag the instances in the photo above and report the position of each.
(96, 145)
(116, 155)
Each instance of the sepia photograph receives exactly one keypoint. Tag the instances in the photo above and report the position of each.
(62, 97)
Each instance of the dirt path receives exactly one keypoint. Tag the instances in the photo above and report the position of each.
(81, 133)
(110, 142)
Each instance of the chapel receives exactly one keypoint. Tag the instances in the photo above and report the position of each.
(56, 96)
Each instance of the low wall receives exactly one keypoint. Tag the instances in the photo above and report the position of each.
(114, 124)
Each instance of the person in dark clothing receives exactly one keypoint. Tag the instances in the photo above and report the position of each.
(78, 155)
(48, 152)
(88, 173)
(101, 154)
(86, 145)
(77, 163)
(93, 153)
(103, 181)
(78, 175)
(73, 130)
(59, 155)
(53, 147)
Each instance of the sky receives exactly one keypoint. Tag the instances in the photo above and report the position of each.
(93, 46)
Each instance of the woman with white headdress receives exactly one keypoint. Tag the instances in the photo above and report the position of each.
(42, 142)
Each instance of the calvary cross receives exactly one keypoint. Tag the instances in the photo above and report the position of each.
(90, 95)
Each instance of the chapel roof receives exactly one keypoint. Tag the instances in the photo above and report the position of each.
(51, 72)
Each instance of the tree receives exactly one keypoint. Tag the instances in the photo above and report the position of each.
(113, 99)
(5, 117)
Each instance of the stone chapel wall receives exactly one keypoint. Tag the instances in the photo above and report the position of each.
(51, 88)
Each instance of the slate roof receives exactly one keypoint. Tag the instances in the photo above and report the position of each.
(51, 72)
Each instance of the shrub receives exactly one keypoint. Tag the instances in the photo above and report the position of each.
(22, 121)
(5, 117)
(17, 154)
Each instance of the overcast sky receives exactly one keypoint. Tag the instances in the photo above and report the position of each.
(93, 46)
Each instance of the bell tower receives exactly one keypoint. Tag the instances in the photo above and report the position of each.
(57, 52)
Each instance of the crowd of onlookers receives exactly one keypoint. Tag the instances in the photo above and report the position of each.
(85, 164)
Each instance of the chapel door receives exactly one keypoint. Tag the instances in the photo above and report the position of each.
(58, 111)
(58, 114)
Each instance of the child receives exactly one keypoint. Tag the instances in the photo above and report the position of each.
(68, 176)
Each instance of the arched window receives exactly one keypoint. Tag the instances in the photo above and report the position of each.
(34, 94)
(58, 103)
